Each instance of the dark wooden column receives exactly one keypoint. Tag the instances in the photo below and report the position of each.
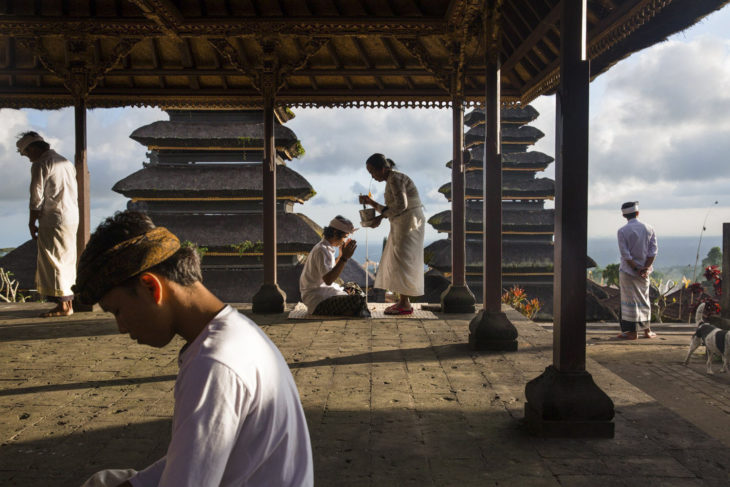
(270, 298)
(82, 176)
(564, 400)
(723, 321)
(82, 185)
(491, 329)
(457, 298)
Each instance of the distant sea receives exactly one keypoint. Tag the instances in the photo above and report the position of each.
(673, 251)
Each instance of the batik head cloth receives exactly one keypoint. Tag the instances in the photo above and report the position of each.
(25, 141)
(98, 274)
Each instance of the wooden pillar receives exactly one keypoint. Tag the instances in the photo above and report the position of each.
(83, 231)
(564, 400)
(457, 298)
(82, 176)
(269, 298)
(491, 329)
(723, 321)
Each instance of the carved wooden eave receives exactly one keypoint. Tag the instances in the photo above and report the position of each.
(351, 53)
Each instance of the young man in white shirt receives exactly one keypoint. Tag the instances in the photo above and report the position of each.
(638, 247)
(238, 419)
(320, 293)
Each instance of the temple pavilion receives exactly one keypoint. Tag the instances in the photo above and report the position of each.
(264, 54)
(527, 226)
(203, 182)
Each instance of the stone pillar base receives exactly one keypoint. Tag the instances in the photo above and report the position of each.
(457, 299)
(269, 299)
(720, 322)
(492, 331)
(567, 405)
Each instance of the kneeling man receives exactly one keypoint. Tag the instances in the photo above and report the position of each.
(320, 293)
(237, 419)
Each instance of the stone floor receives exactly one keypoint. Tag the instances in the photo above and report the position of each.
(389, 402)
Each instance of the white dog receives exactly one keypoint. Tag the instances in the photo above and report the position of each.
(715, 340)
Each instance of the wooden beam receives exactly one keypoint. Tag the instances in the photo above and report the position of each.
(164, 13)
(82, 176)
(535, 35)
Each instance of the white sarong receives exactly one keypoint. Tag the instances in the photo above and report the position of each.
(635, 304)
(56, 263)
(401, 266)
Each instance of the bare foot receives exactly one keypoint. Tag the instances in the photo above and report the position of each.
(59, 310)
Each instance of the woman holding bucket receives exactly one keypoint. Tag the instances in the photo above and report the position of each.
(401, 266)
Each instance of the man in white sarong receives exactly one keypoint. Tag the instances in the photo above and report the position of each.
(54, 206)
(638, 247)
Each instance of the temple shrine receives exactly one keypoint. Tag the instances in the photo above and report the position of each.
(527, 226)
(203, 182)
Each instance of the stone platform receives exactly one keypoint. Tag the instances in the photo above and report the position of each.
(388, 401)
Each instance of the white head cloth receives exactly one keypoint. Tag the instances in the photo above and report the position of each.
(630, 209)
(26, 140)
(342, 224)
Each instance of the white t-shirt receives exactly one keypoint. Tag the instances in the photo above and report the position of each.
(238, 420)
(319, 262)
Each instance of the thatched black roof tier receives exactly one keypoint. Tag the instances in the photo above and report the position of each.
(211, 181)
(21, 261)
(516, 221)
(208, 207)
(511, 116)
(214, 136)
(511, 161)
(523, 135)
(513, 187)
(525, 257)
(295, 232)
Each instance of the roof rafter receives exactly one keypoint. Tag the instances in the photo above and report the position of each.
(164, 13)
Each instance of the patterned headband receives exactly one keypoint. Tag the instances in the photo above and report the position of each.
(126, 259)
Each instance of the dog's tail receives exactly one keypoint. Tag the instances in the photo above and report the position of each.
(699, 314)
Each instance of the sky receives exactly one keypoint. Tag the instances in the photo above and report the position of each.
(659, 134)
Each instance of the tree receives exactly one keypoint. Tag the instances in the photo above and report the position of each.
(714, 257)
(610, 273)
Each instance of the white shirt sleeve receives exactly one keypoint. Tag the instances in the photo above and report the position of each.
(322, 263)
(37, 184)
(653, 247)
(209, 405)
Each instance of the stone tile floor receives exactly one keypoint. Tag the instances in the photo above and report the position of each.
(389, 402)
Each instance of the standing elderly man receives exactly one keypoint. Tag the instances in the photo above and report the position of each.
(54, 206)
(638, 246)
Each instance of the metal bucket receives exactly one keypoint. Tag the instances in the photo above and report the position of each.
(366, 216)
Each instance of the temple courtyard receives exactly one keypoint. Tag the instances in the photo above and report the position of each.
(388, 401)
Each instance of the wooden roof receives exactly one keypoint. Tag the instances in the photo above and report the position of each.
(222, 53)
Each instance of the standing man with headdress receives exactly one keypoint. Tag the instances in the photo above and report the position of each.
(54, 219)
(638, 247)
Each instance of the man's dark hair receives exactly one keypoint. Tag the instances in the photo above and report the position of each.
(182, 267)
(629, 204)
(43, 146)
(331, 232)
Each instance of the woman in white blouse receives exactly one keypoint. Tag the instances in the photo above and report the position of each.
(401, 266)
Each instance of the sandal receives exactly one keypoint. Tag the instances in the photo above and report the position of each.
(649, 334)
(55, 313)
(627, 335)
(397, 310)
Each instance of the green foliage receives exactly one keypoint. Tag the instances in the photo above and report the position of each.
(200, 250)
(298, 150)
(610, 274)
(714, 257)
(247, 246)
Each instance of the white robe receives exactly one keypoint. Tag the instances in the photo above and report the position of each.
(53, 192)
(401, 266)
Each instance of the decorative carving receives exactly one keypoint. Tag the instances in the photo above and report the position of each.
(231, 54)
(414, 46)
(311, 47)
(164, 13)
